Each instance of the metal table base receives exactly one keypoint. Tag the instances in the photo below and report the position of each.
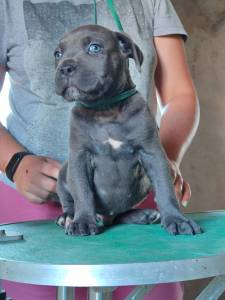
(65, 293)
(212, 292)
(96, 293)
(214, 289)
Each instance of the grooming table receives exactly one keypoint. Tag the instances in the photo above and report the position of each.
(141, 255)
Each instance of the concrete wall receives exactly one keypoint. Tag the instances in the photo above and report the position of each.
(204, 164)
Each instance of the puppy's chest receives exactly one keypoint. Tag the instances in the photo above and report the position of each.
(111, 140)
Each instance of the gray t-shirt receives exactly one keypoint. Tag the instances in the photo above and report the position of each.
(30, 30)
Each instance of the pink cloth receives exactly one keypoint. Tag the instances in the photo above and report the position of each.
(15, 208)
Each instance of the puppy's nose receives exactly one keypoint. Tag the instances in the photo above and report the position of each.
(67, 70)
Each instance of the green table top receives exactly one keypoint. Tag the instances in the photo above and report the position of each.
(46, 244)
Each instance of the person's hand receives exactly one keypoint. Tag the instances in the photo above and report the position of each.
(36, 178)
(182, 188)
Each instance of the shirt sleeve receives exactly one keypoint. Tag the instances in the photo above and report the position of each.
(166, 20)
(3, 34)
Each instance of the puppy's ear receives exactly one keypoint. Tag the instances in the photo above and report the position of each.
(130, 49)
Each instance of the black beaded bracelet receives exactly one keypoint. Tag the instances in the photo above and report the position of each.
(14, 163)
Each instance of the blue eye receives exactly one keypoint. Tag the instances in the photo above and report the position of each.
(58, 54)
(94, 49)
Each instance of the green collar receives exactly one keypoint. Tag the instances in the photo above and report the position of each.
(107, 103)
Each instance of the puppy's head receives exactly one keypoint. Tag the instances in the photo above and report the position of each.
(91, 63)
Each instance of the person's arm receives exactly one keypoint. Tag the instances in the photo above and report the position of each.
(35, 177)
(8, 145)
(179, 101)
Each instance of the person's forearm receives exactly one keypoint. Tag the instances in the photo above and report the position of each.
(178, 126)
(8, 146)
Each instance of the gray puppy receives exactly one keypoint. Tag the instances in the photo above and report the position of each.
(115, 156)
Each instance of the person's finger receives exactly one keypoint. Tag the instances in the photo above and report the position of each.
(186, 194)
(46, 183)
(178, 185)
(51, 170)
(173, 172)
(42, 186)
(34, 198)
(54, 162)
(38, 191)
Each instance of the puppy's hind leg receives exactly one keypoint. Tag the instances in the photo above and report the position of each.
(66, 199)
(138, 216)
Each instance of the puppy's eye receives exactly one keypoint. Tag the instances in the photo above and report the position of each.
(94, 48)
(58, 54)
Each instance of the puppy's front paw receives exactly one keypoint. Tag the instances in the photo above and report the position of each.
(138, 216)
(64, 219)
(180, 225)
(82, 227)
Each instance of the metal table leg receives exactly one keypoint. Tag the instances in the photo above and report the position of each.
(96, 293)
(214, 289)
(65, 293)
(139, 292)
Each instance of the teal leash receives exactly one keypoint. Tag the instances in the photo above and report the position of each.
(95, 15)
(112, 9)
(112, 101)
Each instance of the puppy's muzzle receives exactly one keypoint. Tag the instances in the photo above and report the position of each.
(67, 70)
